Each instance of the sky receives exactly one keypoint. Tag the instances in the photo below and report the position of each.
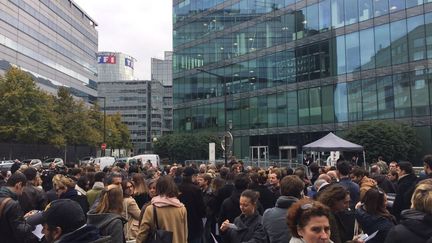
(139, 28)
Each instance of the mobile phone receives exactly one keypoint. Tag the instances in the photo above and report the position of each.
(363, 237)
(232, 226)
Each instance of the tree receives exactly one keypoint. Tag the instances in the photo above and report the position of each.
(26, 112)
(392, 140)
(186, 146)
(118, 133)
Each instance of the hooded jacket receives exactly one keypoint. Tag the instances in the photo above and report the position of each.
(249, 229)
(85, 234)
(94, 192)
(171, 216)
(274, 220)
(108, 224)
(414, 227)
(13, 228)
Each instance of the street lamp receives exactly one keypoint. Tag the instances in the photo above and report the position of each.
(104, 122)
(223, 78)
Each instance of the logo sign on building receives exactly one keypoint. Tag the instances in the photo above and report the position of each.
(106, 59)
(129, 62)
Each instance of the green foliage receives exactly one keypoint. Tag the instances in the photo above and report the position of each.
(118, 135)
(186, 146)
(389, 139)
(29, 115)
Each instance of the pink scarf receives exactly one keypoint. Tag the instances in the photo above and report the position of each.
(162, 201)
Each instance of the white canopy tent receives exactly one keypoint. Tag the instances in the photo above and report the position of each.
(331, 142)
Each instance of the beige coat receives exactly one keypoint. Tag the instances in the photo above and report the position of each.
(133, 213)
(170, 218)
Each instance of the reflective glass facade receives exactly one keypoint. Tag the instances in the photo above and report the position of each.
(295, 70)
(55, 41)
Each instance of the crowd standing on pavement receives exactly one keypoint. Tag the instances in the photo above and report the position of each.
(216, 203)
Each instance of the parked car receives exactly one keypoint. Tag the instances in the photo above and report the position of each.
(36, 163)
(57, 161)
(104, 161)
(6, 165)
(86, 160)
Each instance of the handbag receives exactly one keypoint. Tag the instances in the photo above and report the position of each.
(159, 235)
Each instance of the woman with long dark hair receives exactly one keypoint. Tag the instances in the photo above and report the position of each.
(372, 215)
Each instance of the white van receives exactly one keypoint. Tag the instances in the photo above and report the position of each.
(104, 161)
(154, 159)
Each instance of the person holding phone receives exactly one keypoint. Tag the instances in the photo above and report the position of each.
(247, 227)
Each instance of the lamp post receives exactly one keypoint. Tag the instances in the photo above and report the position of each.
(104, 122)
(223, 78)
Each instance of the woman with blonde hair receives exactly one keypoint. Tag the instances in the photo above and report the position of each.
(64, 187)
(107, 215)
(415, 225)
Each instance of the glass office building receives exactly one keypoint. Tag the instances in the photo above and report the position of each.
(55, 41)
(296, 69)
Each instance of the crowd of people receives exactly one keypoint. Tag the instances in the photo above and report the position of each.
(209, 203)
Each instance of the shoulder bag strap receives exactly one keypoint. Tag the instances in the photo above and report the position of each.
(155, 217)
(3, 204)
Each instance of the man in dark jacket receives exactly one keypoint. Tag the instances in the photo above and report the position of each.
(64, 222)
(407, 181)
(32, 197)
(230, 208)
(191, 197)
(274, 219)
(343, 170)
(13, 227)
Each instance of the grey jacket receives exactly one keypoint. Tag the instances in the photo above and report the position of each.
(109, 224)
(274, 220)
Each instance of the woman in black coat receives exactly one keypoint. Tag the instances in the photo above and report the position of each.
(247, 227)
(416, 223)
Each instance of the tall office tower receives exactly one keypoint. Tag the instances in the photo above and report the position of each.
(55, 41)
(161, 73)
(290, 71)
(131, 99)
(161, 69)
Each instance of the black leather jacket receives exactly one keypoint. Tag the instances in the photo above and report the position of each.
(13, 228)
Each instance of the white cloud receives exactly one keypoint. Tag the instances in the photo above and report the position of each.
(140, 28)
